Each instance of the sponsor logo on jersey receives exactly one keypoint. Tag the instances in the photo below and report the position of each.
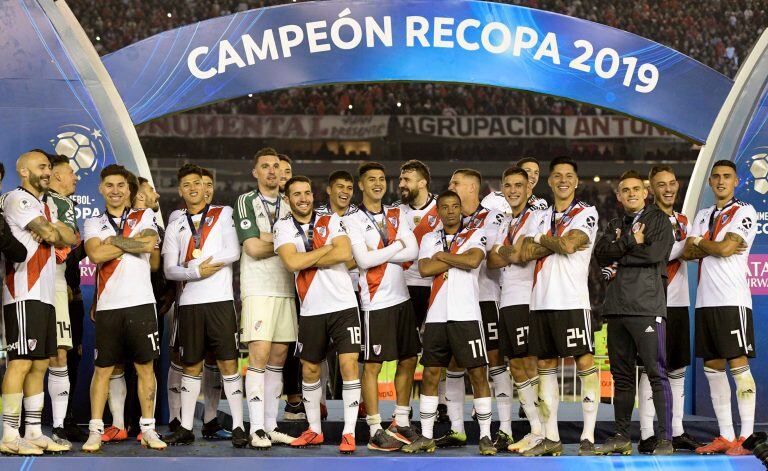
(747, 223)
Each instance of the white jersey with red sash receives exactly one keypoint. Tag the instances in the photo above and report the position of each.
(677, 269)
(384, 285)
(125, 281)
(217, 240)
(34, 278)
(516, 280)
(489, 222)
(421, 221)
(561, 282)
(321, 290)
(455, 294)
(723, 280)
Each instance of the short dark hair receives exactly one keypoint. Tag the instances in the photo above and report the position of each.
(2, 171)
(516, 170)
(527, 160)
(563, 160)
(630, 174)
(285, 158)
(417, 166)
(448, 194)
(133, 187)
(725, 163)
(115, 169)
(262, 152)
(366, 167)
(188, 169)
(656, 169)
(339, 175)
(296, 179)
(470, 172)
(56, 160)
(204, 172)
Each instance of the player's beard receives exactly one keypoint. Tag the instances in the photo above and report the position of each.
(38, 183)
(408, 196)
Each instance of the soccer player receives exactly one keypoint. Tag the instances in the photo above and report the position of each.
(29, 298)
(120, 242)
(340, 190)
(514, 314)
(268, 322)
(664, 186)
(316, 247)
(638, 243)
(466, 183)
(561, 319)
(381, 242)
(453, 328)
(286, 170)
(198, 252)
(62, 185)
(721, 239)
(496, 200)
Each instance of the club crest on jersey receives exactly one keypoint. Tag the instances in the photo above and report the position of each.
(432, 220)
(565, 220)
(31, 343)
(635, 227)
(377, 349)
(416, 220)
(321, 231)
(725, 218)
(131, 223)
(459, 240)
(257, 326)
(393, 221)
(299, 347)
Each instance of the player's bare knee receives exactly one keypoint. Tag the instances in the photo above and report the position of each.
(310, 372)
(278, 353)
(194, 369)
(546, 364)
(517, 368)
(585, 362)
(227, 367)
(19, 367)
(718, 365)
(258, 354)
(348, 366)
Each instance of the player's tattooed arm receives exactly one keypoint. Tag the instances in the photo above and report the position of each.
(572, 242)
(732, 244)
(48, 232)
(144, 242)
(530, 250)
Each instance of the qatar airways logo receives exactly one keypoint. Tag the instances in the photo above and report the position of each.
(757, 274)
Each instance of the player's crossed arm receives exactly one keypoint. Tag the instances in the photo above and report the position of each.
(697, 247)
(296, 261)
(56, 233)
(571, 242)
(143, 242)
(341, 252)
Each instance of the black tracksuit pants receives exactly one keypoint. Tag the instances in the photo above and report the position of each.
(630, 337)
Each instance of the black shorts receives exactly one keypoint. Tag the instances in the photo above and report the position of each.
(561, 334)
(420, 302)
(389, 334)
(724, 332)
(316, 333)
(173, 341)
(514, 326)
(30, 330)
(462, 340)
(489, 312)
(127, 334)
(209, 327)
(678, 338)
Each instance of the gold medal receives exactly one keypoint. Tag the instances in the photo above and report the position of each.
(445, 275)
(197, 253)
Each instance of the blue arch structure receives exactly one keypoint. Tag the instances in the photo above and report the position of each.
(54, 85)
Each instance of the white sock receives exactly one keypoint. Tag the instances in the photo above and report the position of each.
(454, 399)
(483, 412)
(590, 400)
(12, 415)
(746, 393)
(96, 425)
(428, 414)
(33, 415)
(374, 423)
(549, 400)
(254, 391)
(646, 409)
(720, 392)
(146, 424)
(117, 393)
(403, 416)
(233, 390)
(190, 391)
(311, 393)
(211, 392)
(502, 388)
(528, 396)
(677, 384)
(273, 388)
(350, 394)
(58, 389)
(174, 391)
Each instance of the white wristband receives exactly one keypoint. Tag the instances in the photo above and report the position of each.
(696, 241)
(537, 238)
